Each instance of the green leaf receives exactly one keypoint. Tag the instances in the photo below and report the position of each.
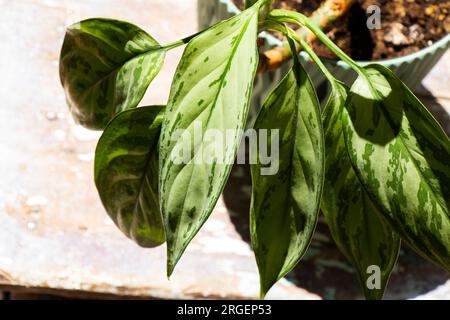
(402, 156)
(285, 205)
(356, 225)
(264, 6)
(211, 90)
(105, 67)
(126, 174)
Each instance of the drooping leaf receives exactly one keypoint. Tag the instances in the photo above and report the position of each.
(402, 156)
(209, 98)
(126, 174)
(356, 225)
(105, 67)
(285, 205)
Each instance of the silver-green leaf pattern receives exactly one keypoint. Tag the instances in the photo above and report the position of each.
(211, 91)
(356, 225)
(402, 157)
(126, 174)
(105, 67)
(285, 205)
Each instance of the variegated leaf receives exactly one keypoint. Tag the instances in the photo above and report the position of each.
(285, 204)
(105, 67)
(209, 98)
(356, 225)
(126, 174)
(402, 156)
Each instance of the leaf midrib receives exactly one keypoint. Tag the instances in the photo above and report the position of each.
(228, 66)
(142, 179)
(289, 267)
(116, 69)
(220, 88)
(222, 79)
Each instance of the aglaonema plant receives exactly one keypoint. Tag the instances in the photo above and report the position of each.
(375, 161)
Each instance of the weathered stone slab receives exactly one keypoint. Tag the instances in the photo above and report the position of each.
(56, 237)
(55, 234)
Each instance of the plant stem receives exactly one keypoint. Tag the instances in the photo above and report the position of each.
(300, 19)
(295, 57)
(313, 56)
(266, 7)
(291, 36)
(323, 17)
(180, 42)
(328, 12)
(249, 3)
(317, 60)
(274, 58)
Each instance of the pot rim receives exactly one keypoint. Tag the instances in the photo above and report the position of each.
(272, 41)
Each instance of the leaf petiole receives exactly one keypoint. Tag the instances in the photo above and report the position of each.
(180, 42)
(277, 26)
(298, 18)
(313, 56)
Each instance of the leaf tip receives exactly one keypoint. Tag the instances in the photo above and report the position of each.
(264, 288)
(170, 268)
(262, 294)
(171, 264)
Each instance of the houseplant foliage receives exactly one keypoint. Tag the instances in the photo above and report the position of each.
(375, 161)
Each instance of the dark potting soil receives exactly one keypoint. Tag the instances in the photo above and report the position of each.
(406, 27)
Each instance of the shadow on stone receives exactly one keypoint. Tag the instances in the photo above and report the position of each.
(324, 270)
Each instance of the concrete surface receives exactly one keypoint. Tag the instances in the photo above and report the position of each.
(55, 234)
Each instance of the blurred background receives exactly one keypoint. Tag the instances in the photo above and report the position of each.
(56, 240)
